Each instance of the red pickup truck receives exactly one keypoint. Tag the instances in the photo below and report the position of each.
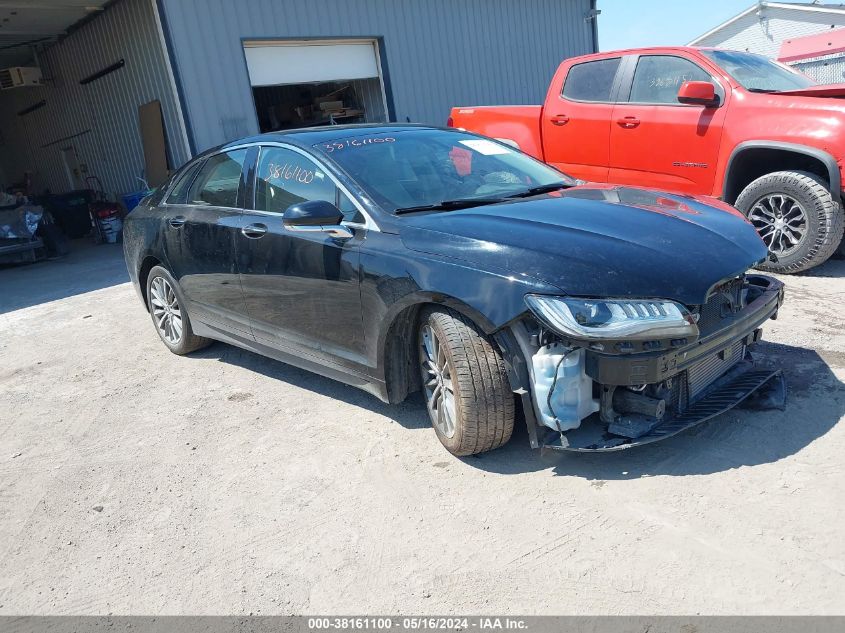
(727, 124)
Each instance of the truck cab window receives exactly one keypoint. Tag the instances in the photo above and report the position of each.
(591, 81)
(658, 78)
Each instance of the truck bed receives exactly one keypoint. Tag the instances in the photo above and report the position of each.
(520, 124)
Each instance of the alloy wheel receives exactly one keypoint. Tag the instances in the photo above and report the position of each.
(437, 382)
(781, 221)
(166, 310)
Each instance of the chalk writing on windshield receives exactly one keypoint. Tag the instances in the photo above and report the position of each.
(336, 146)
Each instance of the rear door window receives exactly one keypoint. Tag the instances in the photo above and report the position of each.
(179, 193)
(658, 78)
(219, 182)
(591, 81)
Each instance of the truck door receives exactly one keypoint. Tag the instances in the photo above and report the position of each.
(655, 141)
(576, 118)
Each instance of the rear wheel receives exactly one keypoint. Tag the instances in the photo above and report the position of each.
(465, 384)
(169, 315)
(799, 221)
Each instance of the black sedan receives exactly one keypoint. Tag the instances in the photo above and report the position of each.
(406, 258)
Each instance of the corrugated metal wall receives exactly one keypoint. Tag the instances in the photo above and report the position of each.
(829, 69)
(765, 33)
(99, 120)
(438, 53)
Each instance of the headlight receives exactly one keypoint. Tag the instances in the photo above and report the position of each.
(633, 319)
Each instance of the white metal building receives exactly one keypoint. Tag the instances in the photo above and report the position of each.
(765, 27)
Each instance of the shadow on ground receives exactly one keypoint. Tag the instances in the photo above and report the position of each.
(834, 267)
(88, 267)
(816, 402)
(411, 414)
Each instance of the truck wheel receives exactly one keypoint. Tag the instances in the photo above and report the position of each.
(169, 315)
(797, 218)
(465, 384)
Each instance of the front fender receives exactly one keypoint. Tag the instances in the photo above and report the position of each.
(834, 177)
(395, 279)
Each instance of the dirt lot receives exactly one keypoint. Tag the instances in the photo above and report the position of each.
(133, 481)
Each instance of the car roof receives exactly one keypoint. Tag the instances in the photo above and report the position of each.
(306, 137)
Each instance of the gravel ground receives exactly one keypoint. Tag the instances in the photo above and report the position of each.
(133, 481)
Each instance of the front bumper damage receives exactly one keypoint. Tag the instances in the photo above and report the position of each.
(766, 386)
(660, 393)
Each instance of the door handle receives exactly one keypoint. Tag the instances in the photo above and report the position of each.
(560, 119)
(628, 122)
(176, 222)
(254, 231)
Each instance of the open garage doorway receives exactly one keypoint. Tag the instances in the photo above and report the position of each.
(312, 83)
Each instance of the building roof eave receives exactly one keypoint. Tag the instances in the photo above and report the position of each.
(810, 8)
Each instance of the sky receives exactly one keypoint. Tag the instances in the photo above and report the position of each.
(635, 23)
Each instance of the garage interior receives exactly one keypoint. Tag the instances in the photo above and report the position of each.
(89, 122)
(314, 83)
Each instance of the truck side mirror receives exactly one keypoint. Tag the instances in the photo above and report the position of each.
(698, 93)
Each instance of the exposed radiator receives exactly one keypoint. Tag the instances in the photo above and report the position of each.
(700, 375)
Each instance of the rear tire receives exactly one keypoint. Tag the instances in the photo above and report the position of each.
(465, 384)
(785, 204)
(170, 318)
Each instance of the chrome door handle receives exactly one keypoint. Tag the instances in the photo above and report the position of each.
(254, 231)
(176, 222)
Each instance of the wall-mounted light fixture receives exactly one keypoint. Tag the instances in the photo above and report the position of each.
(32, 108)
(102, 73)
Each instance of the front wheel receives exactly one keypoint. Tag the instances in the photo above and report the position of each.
(799, 221)
(465, 384)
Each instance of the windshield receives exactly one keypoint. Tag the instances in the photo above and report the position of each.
(758, 73)
(413, 168)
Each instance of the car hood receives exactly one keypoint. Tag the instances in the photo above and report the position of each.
(828, 90)
(599, 241)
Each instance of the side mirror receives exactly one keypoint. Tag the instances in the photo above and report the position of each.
(698, 93)
(316, 216)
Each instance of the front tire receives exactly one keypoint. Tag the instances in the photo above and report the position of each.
(798, 219)
(169, 315)
(465, 384)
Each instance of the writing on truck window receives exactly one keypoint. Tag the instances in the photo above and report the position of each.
(670, 81)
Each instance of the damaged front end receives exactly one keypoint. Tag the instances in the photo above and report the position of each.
(609, 374)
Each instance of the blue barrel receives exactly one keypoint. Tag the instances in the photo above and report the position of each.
(131, 200)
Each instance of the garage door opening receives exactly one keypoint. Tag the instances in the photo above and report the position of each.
(305, 84)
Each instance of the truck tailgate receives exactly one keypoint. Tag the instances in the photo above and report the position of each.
(514, 124)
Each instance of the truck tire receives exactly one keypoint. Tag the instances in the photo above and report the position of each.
(798, 219)
(465, 384)
(169, 314)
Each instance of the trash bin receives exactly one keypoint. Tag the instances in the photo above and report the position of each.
(111, 228)
(71, 211)
(131, 200)
(108, 219)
